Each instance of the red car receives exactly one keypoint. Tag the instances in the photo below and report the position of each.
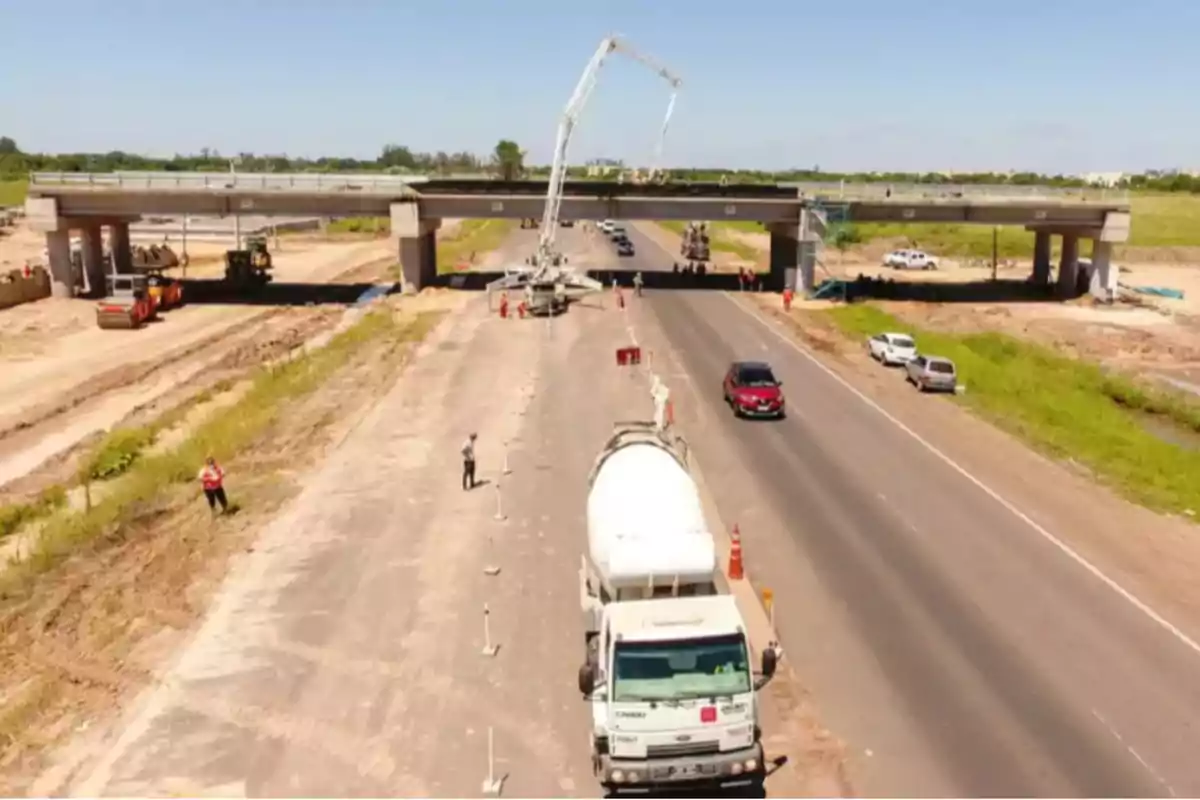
(752, 390)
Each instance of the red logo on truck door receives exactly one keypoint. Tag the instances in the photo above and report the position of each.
(708, 714)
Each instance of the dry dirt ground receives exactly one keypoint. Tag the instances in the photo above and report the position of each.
(65, 380)
(96, 625)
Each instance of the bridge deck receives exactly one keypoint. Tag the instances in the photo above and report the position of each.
(128, 195)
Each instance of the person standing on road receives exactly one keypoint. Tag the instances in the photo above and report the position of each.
(212, 478)
(637, 284)
(468, 455)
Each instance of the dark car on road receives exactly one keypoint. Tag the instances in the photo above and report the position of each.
(752, 390)
(625, 248)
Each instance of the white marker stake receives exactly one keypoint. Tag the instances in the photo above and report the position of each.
(491, 570)
(505, 469)
(499, 515)
(489, 649)
(491, 785)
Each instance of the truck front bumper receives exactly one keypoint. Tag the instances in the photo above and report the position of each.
(640, 776)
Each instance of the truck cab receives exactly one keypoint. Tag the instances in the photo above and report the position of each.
(672, 694)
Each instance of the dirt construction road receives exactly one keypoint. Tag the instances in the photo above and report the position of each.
(343, 655)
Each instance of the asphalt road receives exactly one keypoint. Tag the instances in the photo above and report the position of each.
(956, 649)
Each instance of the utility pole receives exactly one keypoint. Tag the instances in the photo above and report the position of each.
(995, 250)
(237, 217)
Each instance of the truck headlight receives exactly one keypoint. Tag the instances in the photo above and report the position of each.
(632, 777)
(750, 764)
(616, 776)
(736, 769)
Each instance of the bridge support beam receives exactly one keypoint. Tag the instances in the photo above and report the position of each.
(786, 270)
(1105, 274)
(1068, 266)
(58, 254)
(1041, 258)
(119, 248)
(92, 246)
(417, 246)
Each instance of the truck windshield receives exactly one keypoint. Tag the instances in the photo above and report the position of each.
(680, 670)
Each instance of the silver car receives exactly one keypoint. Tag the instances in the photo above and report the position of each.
(932, 373)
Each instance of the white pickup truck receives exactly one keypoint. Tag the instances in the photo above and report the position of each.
(910, 259)
(668, 673)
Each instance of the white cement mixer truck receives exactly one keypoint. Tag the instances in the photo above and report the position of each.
(668, 668)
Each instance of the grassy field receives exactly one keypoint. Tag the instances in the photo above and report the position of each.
(473, 236)
(375, 225)
(12, 193)
(1066, 408)
(1159, 220)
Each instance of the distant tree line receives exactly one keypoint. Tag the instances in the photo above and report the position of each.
(507, 161)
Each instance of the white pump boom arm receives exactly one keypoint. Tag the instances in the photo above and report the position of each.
(583, 90)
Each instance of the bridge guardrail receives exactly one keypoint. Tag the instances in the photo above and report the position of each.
(245, 181)
(392, 184)
(930, 192)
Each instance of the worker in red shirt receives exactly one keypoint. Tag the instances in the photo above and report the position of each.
(212, 477)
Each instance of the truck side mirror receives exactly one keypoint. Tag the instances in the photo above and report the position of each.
(587, 679)
(770, 661)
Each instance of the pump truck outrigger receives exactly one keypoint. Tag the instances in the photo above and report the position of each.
(667, 670)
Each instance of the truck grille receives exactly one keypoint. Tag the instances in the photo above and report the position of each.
(682, 749)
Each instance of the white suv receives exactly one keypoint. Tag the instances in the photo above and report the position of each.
(892, 349)
(606, 226)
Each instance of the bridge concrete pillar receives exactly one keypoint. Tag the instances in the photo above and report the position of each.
(417, 245)
(58, 258)
(1041, 258)
(1105, 275)
(1068, 266)
(119, 247)
(92, 251)
(785, 257)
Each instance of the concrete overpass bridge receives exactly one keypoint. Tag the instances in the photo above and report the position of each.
(796, 215)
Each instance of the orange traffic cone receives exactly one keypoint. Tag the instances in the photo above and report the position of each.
(736, 571)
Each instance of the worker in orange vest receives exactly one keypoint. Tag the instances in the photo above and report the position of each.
(212, 478)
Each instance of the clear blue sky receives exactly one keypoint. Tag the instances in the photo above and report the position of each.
(1049, 85)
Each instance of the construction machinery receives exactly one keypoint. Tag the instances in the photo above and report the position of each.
(129, 303)
(153, 257)
(166, 291)
(528, 223)
(249, 267)
(547, 264)
(545, 298)
(667, 670)
(695, 245)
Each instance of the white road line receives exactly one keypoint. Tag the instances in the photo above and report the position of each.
(1066, 549)
(1145, 764)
